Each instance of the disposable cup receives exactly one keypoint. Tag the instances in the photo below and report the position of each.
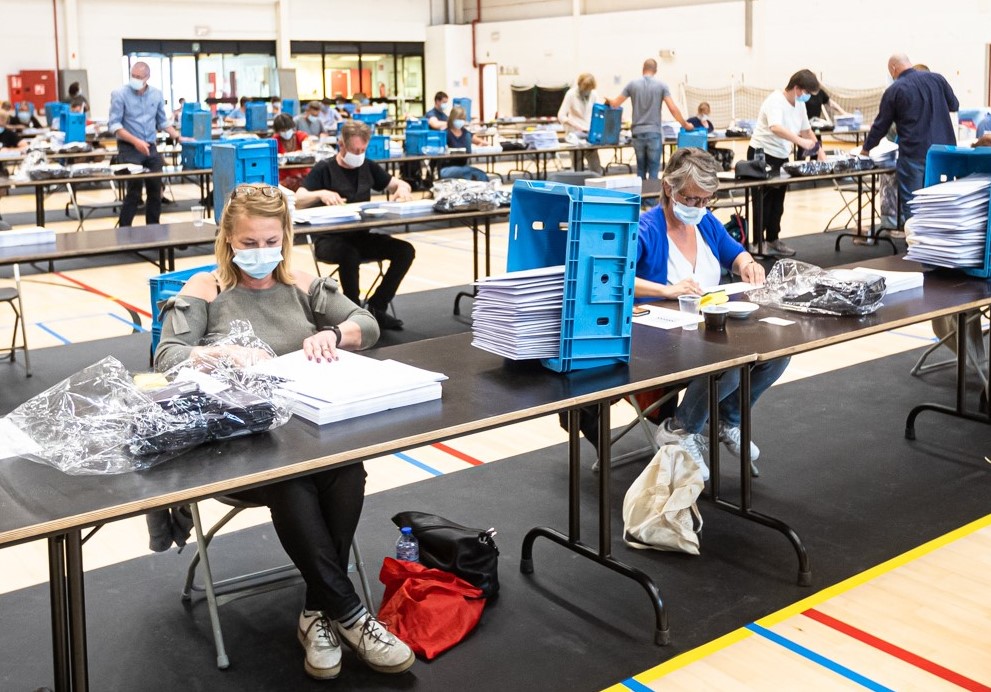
(690, 303)
(199, 214)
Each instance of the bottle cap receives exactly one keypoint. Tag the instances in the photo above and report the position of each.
(406, 530)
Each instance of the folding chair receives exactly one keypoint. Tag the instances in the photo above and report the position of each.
(226, 590)
(85, 206)
(977, 350)
(12, 296)
(375, 282)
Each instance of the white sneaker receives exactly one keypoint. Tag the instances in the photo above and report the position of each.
(323, 649)
(376, 646)
(730, 436)
(693, 443)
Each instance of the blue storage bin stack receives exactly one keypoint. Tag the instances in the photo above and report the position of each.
(465, 103)
(74, 126)
(163, 287)
(417, 139)
(416, 124)
(378, 147)
(593, 233)
(195, 121)
(945, 162)
(606, 124)
(698, 137)
(54, 110)
(197, 155)
(242, 161)
(290, 107)
(371, 119)
(256, 117)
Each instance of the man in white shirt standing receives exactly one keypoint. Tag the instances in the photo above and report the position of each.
(782, 123)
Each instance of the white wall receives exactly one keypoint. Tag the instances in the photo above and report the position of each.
(448, 64)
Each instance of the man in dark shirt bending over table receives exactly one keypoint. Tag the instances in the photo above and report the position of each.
(346, 178)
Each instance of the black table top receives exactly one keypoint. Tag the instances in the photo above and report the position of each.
(484, 391)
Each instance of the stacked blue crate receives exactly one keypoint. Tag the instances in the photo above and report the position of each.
(593, 233)
(256, 117)
(699, 138)
(378, 147)
(195, 121)
(163, 287)
(290, 107)
(74, 126)
(945, 162)
(242, 161)
(465, 103)
(54, 110)
(416, 140)
(606, 124)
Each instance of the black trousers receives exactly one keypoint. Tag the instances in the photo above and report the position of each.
(315, 518)
(126, 153)
(349, 250)
(774, 202)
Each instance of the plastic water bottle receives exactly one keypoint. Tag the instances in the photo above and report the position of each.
(407, 547)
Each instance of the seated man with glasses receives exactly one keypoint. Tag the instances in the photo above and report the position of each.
(346, 178)
(681, 248)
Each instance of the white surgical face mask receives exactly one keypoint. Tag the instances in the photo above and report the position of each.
(136, 84)
(313, 118)
(24, 116)
(803, 98)
(446, 107)
(353, 160)
(258, 262)
(686, 214)
(458, 124)
(288, 134)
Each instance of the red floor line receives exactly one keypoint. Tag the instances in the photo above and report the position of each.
(460, 455)
(103, 295)
(896, 651)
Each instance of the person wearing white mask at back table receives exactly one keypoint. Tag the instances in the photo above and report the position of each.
(350, 177)
(437, 116)
(137, 113)
(309, 120)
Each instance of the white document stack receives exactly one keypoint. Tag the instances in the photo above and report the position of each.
(354, 385)
(949, 225)
(518, 315)
(328, 214)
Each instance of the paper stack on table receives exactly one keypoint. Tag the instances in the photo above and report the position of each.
(354, 385)
(414, 206)
(329, 214)
(894, 281)
(518, 315)
(949, 225)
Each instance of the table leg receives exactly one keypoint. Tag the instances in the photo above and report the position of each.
(746, 482)
(39, 205)
(474, 258)
(960, 409)
(873, 237)
(76, 598)
(572, 541)
(59, 614)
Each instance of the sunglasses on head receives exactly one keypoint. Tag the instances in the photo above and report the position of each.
(263, 190)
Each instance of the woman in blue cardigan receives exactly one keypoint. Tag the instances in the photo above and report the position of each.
(682, 247)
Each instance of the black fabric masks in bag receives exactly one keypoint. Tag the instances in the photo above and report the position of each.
(468, 553)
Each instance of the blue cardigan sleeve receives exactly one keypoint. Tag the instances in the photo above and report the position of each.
(723, 245)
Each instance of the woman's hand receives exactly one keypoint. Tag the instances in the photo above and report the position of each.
(753, 273)
(320, 347)
(684, 287)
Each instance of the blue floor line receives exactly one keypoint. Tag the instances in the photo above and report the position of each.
(129, 323)
(811, 655)
(635, 686)
(419, 464)
(931, 339)
(42, 327)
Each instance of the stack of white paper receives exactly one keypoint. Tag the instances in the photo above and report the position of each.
(35, 235)
(414, 206)
(354, 385)
(329, 214)
(518, 315)
(949, 224)
(894, 281)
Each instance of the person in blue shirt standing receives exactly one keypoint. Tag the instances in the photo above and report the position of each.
(919, 104)
(437, 116)
(137, 113)
(458, 137)
(681, 248)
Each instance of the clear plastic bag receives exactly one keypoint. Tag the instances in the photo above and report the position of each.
(98, 421)
(803, 287)
(455, 194)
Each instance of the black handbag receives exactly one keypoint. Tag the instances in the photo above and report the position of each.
(752, 170)
(467, 553)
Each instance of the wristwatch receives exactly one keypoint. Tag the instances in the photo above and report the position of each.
(337, 332)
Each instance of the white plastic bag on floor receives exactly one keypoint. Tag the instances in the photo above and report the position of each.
(659, 509)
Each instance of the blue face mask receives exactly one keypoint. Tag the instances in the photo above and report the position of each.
(258, 262)
(803, 98)
(690, 216)
(458, 124)
(2, 130)
(313, 118)
(24, 116)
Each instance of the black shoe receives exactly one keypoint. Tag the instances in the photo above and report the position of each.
(385, 320)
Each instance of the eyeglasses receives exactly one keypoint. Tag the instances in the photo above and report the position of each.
(248, 190)
(695, 201)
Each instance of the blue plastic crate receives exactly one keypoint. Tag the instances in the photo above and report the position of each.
(195, 121)
(197, 155)
(699, 138)
(54, 110)
(242, 161)
(606, 124)
(417, 124)
(74, 126)
(945, 162)
(256, 117)
(417, 139)
(163, 287)
(465, 103)
(290, 107)
(378, 147)
(593, 233)
(371, 119)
